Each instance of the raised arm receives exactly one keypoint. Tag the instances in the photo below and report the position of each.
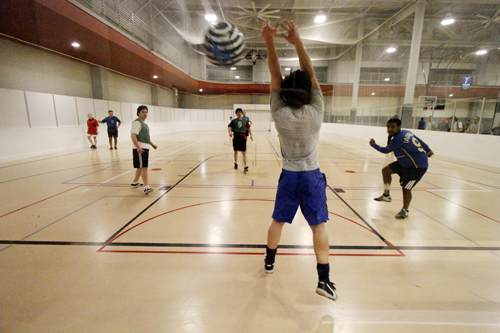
(292, 36)
(268, 34)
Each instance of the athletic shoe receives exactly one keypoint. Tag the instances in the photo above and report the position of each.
(326, 289)
(136, 184)
(93, 147)
(110, 148)
(116, 147)
(269, 268)
(245, 169)
(147, 190)
(386, 198)
(403, 213)
(235, 166)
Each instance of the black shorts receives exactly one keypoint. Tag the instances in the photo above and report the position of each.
(140, 160)
(239, 143)
(408, 177)
(112, 132)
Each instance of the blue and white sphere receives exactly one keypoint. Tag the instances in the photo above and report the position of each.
(225, 45)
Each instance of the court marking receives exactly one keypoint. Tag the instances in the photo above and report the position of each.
(44, 159)
(361, 218)
(391, 247)
(464, 207)
(161, 196)
(444, 225)
(56, 171)
(102, 249)
(253, 246)
(275, 152)
(54, 222)
(128, 160)
(55, 195)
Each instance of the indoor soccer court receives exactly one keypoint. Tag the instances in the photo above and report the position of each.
(82, 251)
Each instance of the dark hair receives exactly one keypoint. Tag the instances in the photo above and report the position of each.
(296, 88)
(238, 109)
(397, 121)
(110, 111)
(140, 108)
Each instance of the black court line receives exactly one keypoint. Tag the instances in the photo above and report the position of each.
(362, 219)
(252, 246)
(272, 146)
(161, 196)
(465, 181)
(468, 166)
(44, 159)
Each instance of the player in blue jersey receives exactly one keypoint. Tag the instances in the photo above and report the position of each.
(113, 125)
(412, 154)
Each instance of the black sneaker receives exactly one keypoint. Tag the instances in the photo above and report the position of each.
(235, 166)
(269, 268)
(136, 184)
(116, 147)
(326, 289)
(110, 148)
(245, 169)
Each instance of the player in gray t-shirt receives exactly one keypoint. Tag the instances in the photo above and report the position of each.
(297, 108)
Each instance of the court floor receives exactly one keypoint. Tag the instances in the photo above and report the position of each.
(82, 251)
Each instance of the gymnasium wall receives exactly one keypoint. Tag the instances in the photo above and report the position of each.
(28, 68)
(34, 123)
(480, 149)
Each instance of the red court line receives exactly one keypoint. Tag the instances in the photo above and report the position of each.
(465, 207)
(400, 252)
(211, 252)
(253, 253)
(55, 195)
(174, 210)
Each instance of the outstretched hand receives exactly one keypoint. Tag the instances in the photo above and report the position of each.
(268, 32)
(292, 33)
(372, 142)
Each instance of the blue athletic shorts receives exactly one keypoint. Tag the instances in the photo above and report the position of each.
(306, 189)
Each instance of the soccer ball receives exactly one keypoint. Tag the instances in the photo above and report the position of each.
(224, 44)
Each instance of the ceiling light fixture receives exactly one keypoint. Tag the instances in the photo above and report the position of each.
(450, 95)
(448, 20)
(391, 49)
(155, 76)
(481, 52)
(210, 17)
(233, 68)
(237, 77)
(75, 44)
(287, 69)
(387, 79)
(201, 90)
(373, 94)
(320, 18)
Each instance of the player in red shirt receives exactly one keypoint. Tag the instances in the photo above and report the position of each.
(92, 131)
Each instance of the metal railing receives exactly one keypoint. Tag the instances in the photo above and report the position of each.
(483, 114)
(113, 11)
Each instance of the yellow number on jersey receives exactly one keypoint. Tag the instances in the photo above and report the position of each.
(417, 144)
